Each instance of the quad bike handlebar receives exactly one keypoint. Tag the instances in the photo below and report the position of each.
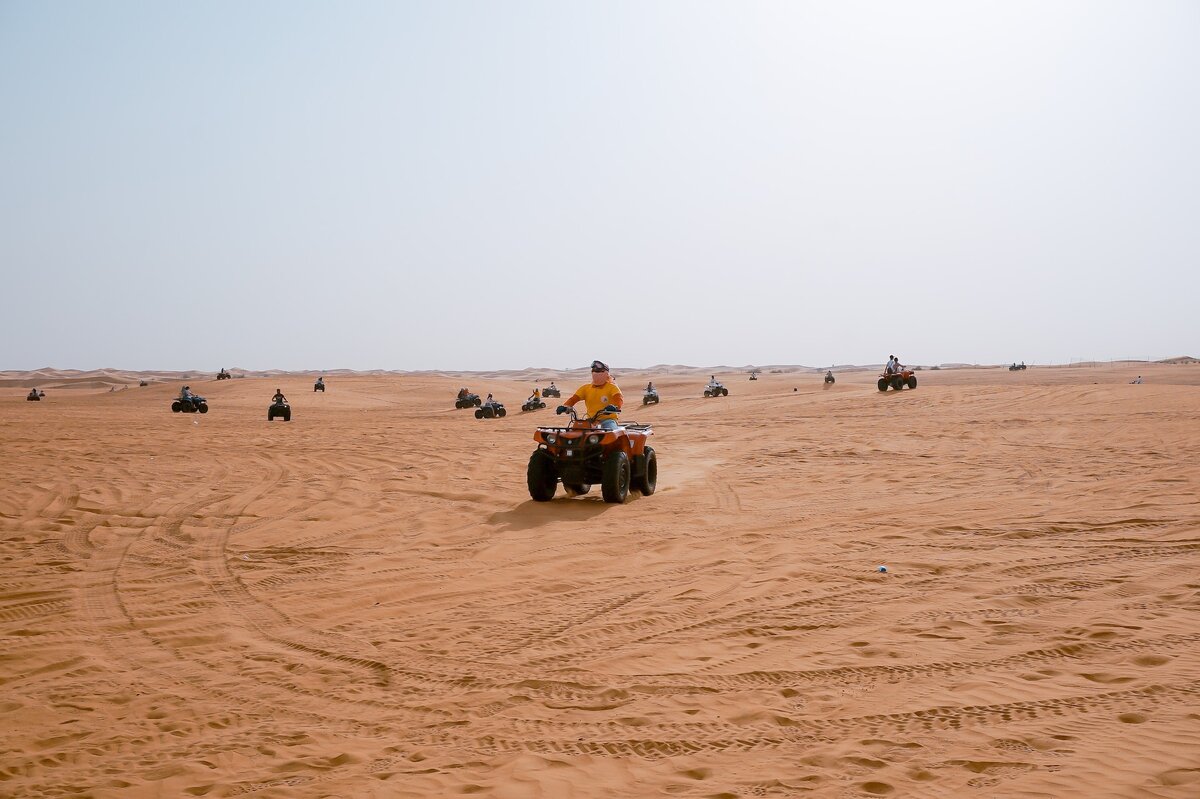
(607, 409)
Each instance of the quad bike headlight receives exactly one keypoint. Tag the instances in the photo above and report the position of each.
(593, 439)
(551, 438)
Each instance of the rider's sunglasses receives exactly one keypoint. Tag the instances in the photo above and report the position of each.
(597, 366)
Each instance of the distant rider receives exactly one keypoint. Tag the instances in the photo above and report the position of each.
(1138, 381)
(321, 382)
(829, 374)
(33, 394)
(489, 400)
(462, 393)
(278, 396)
(598, 395)
(650, 387)
(891, 365)
(185, 394)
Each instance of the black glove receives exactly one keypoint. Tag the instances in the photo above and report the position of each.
(562, 409)
(611, 409)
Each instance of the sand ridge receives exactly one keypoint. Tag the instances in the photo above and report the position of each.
(365, 602)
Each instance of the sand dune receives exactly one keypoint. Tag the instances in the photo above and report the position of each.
(364, 602)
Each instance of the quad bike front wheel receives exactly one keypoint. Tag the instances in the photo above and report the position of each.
(203, 407)
(707, 393)
(501, 413)
(176, 407)
(478, 413)
(912, 381)
(882, 384)
(615, 485)
(541, 476)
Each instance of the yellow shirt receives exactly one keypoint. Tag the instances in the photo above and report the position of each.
(596, 397)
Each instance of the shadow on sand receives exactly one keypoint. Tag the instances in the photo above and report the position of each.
(530, 515)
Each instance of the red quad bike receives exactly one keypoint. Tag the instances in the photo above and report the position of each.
(899, 380)
(583, 454)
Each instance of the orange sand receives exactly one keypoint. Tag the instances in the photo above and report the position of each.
(364, 602)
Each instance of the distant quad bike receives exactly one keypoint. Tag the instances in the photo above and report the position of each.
(279, 409)
(715, 390)
(319, 386)
(650, 398)
(34, 396)
(533, 405)
(491, 410)
(829, 380)
(897, 381)
(583, 454)
(223, 375)
(192, 404)
(754, 375)
(469, 401)
(551, 392)
(1017, 367)
(143, 384)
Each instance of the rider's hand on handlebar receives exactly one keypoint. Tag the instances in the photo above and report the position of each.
(611, 409)
(563, 409)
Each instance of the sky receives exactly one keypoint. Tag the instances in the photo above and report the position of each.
(478, 185)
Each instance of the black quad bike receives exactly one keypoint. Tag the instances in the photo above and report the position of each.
(319, 386)
(468, 401)
(193, 404)
(223, 375)
(583, 454)
(551, 392)
(650, 397)
(715, 390)
(279, 409)
(490, 410)
(533, 405)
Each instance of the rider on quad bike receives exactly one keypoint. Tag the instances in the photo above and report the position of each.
(593, 450)
(597, 395)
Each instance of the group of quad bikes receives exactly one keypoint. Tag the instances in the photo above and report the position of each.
(278, 409)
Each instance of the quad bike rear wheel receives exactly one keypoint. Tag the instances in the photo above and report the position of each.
(882, 384)
(615, 485)
(707, 393)
(647, 481)
(203, 407)
(176, 406)
(479, 413)
(541, 477)
(912, 381)
(501, 413)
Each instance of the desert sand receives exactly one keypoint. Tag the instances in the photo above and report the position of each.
(364, 602)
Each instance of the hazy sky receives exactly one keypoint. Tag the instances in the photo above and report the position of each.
(471, 185)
